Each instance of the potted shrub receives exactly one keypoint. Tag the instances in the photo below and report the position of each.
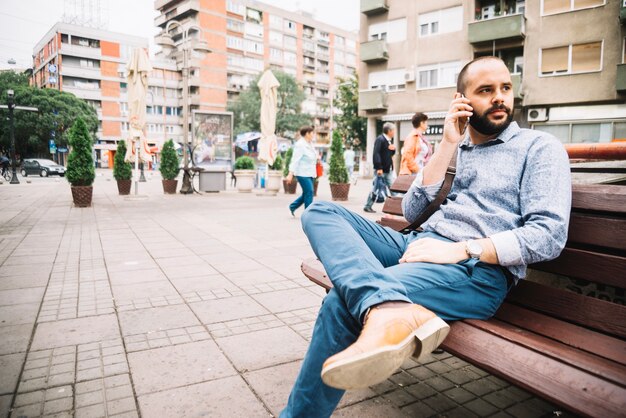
(290, 188)
(274, 175)
(337, 173)
(245, 172)
(169, 167)
(122, 170)
(80, 169)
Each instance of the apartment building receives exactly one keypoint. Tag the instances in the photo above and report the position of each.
(247, 37)
(566, 57)
(91, 64)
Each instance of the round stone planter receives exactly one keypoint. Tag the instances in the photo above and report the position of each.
(245, 180)
(272, 183)
(82, 196)
(339, 191)
(170, 186)
(123, 186)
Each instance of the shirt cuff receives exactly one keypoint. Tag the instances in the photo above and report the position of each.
(507, 248)
(429, 191)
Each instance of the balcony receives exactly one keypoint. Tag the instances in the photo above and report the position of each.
(503, 27)
(179, 12)
(81, 51)
(82, 72)
(374, 51)
(372, 100)
(159, 4)
(517, 83)
(620, 80)
(374, 7)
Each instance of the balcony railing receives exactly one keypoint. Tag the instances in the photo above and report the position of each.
(620, 81)
(374, 7)
(503, 27)
(370, 100)
(374, 51)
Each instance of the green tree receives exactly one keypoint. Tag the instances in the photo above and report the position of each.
(288, 157)
(349, 124)
(289, 117)
(169, 161)
(122, 170)
(80, 168)
(57, 112)
(337, 172)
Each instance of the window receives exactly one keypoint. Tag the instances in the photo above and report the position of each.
(235, 7)
(392, 31)
(390, 80)
(234, 42)
(339, 70)
(253, 29)
(560, 6)
(571, 59)
(518, 65)
(593, 132)
(276, 38)
(235, 25)
(276, 54)
(340, 40)
(350, 59)
(290, 57)
(289, 42)
(255, 16)
(339, 56)
(124, 126)
(252, 46)
(276, 22)
(290, 26)
(441, 21)
(438, 75)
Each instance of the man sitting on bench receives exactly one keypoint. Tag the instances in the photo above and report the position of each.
(508, 207)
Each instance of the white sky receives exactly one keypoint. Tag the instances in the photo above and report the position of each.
(24, 22)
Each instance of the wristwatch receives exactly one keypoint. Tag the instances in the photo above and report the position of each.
(473, 249)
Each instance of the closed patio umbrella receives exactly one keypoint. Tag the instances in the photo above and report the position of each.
(268, 146)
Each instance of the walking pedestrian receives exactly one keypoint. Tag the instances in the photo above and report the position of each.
(384, 149)
(302, 166)
(348, 157)
(416, 150)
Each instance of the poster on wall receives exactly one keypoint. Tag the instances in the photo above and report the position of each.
(212, 140)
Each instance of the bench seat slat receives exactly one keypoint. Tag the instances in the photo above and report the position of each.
(397, 224)
(588, 312)
(602, 368)
(569, 334)
(561, 383)
(588, 265)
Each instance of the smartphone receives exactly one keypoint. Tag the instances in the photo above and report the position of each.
(463, 122)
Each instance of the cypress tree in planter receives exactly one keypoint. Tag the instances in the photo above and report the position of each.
(122, 170)
(169, 167)
(290, 188)
(80, 169)
(338, 174)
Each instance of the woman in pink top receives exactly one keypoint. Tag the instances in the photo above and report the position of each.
(416, 150)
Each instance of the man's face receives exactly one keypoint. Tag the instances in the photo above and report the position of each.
(490, 91)
(391, 133)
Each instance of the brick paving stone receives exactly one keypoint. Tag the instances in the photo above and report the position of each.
(100, 359)
(165, 338)
(287, 300)
(75, 331)
(439, 383)
(421, 391)
(500, 399)
(399, 397)
(459, 395)
(228, 309)
(142, 321)
(440, 403)
(56, 400)
(481, 408)
(105, 397)
(19, 314)
(10, 367)
(418, 410)
(421, 373)
(482, 386)
(48, 368)
(14, 338)
(376, 407)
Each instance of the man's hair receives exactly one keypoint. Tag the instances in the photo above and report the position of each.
(388, 126)
(418, 118)
(461, 82)
(305, 130)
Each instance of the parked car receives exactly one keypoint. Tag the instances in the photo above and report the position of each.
(42, 167)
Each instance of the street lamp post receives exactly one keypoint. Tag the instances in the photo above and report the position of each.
(11, 105)
(167, 43)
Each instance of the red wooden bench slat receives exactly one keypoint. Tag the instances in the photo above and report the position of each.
(402, 184)
(564, 332)
(600, 197)
(393, 205)
(607, 317)
(397, 224)
(597, 230)
(581, 264)
(583, 360)
(559, 382)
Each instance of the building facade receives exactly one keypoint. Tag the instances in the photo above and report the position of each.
(247, 37)
(566, 57)
(91, 64)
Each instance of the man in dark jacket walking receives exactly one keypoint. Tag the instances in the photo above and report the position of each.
(383, 163)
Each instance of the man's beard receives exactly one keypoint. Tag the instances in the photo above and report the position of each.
(482, 124)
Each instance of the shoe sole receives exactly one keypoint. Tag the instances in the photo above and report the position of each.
(371, 368)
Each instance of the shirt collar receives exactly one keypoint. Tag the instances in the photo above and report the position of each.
(505, 136)
(387, 138)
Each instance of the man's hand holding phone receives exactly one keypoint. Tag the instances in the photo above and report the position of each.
(457, 119)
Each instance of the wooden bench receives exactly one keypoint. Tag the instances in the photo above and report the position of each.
(553, 336)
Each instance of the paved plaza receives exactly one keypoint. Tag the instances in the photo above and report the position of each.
(183, 306)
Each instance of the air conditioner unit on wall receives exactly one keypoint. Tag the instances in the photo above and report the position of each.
(409, 75)
(539, 114)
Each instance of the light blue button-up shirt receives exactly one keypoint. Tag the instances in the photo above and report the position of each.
(303, 159)
(514, 189)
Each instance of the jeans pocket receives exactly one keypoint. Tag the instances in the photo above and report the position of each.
(469, 264)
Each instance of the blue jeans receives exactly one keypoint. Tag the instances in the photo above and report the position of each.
(361, 259)
(306, 197)
(389, 178)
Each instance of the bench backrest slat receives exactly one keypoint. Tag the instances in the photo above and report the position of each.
(606, 317)
(597, 230)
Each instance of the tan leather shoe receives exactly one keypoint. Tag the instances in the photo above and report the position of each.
(388, 338)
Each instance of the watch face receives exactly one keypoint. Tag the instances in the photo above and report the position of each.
(474, 249)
